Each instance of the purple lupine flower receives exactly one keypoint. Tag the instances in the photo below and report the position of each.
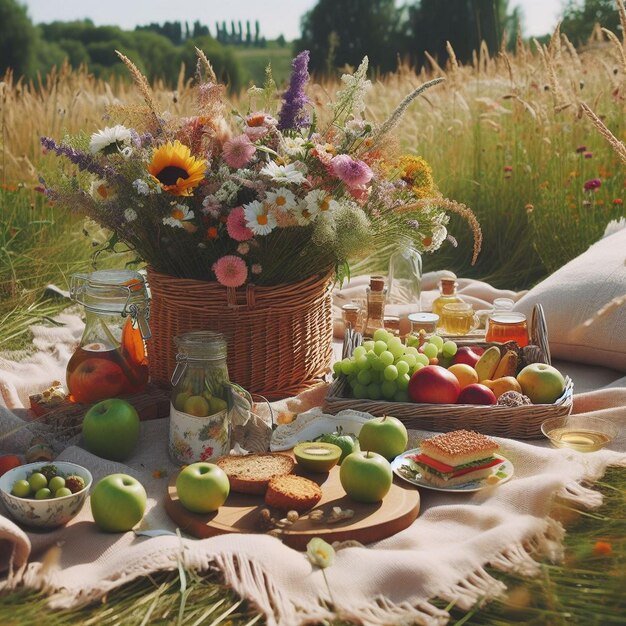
(292, 114)
(592, 184)
(83, 160)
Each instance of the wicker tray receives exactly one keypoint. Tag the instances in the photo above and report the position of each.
(523, 422)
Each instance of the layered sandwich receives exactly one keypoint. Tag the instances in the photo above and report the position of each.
(457, 457)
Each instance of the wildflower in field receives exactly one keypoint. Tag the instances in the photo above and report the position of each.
(211, 206)
(581, 149)
(258, 219)
(352, 172)
(592, 184)
(618, 202)
(588, 155)
(180, 214)
(586, 204)
(292, 146)
(529, 208)
(243, 248)
(303, 215)
(100, 190)
(258, 124)
(238, 151)
(602, 548)
(508, 168)
(320, 553)
(236, 225)
(110, 140)
(141, 187)
(230, 271)
(177, 171)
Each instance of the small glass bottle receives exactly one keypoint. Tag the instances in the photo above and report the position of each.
(111, 358)
(199, 416)
(447, 295)
(405, 274)
(375, 317)
(350, 315)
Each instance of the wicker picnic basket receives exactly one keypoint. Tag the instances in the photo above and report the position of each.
(521, 422)
(279, 337)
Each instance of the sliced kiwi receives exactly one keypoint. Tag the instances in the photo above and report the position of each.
(317, 456)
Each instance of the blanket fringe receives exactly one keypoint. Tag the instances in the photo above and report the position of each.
(583, 496)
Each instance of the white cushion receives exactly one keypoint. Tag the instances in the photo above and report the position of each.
(585, 305)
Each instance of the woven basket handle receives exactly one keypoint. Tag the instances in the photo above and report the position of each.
(234, 297)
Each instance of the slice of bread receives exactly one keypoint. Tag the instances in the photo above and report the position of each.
(292, 492)
(459, 447)
(252, 473)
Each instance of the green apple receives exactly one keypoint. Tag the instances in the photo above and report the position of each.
(366, 476)
(111, 429)
(386, 435)
(202, 487)
(118, 502)
(542, 383)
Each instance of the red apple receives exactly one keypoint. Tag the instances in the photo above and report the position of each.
(96, 379)
(476, 394)
(434, 384)
(466, 355)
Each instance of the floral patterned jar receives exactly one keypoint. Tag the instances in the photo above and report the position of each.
(199, 414)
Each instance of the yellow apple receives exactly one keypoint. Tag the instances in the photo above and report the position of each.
(542, 383)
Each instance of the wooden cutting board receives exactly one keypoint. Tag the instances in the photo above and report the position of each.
(240, 512)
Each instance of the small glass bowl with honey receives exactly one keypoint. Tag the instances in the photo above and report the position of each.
(584, 434)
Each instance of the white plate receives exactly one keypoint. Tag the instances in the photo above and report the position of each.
(314, 423)
(505, 471)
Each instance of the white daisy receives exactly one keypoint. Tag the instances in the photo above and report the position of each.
(180, 213)
(320, 201)
(303, 214)
(141, 187)
(293, 146)
(258, 220)
(283, 173)
(130, 215)
(115, 137)
(282, 199)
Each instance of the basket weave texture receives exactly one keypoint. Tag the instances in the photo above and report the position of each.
(279, 337)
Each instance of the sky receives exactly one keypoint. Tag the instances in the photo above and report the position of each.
(276, 17)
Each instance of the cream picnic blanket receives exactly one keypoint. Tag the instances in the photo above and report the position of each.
(442, 554)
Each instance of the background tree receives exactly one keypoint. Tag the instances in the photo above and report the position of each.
(348, 30)
(18, 38)
(580, 16)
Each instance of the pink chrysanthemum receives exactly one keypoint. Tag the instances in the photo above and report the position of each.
(352, 172)
(593, 184)
(238, 151)
(236, 225)
(230, 271)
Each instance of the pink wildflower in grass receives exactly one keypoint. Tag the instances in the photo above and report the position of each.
(238, 151)
(236, 225)
(593, 184)
(588, 155)
(352, 172)
(581, 149)
(508, 168)
(230, 271)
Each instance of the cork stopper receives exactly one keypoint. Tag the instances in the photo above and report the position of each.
(377, 283)
(448, 286)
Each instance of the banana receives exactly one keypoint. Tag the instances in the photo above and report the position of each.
(507, 365)
(487, 364)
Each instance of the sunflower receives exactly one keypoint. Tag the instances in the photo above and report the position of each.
(176, 170)
(417, 173)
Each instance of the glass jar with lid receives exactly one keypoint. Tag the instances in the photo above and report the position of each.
(199, 416)
(405, 274)
(111, 358)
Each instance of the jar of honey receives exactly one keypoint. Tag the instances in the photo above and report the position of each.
(111, 359)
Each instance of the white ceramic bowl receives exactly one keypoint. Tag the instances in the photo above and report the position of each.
(48, 513)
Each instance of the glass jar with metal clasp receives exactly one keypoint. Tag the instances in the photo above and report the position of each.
(199, 414)
(111, 358)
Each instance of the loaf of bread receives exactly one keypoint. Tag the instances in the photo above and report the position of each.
(292, 492)
(252, 473)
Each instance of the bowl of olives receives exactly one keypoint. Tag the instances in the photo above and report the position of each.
(45, 495)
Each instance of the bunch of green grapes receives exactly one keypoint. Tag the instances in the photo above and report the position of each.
(438, 351)
(382, 367)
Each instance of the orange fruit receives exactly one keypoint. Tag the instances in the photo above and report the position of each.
(465, 374)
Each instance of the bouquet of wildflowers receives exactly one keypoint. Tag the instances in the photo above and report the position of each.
(271, 195)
